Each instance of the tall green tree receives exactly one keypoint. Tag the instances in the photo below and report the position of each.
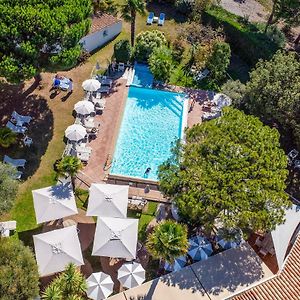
(273, 92)
(168, 241)
(160, 63)
(286, 10)
(19, 277)
(129, 11)
(231, 169)
(7, 137)
(69, 165)
(105, 6)
(44, 28)
(8, 187)
(69, 285)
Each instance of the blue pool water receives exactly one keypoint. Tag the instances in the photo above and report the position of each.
(142, 76)
(152, 121)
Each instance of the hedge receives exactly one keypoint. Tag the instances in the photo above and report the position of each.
(245, 38)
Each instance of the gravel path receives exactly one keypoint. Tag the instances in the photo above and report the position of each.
(251, 8)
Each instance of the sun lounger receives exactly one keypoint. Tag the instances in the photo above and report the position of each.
(201, 75)
(14, 162)
(121, 67)
(150, 18)
(15, 128)
(20, 118)
(6, 227)
(161, 20)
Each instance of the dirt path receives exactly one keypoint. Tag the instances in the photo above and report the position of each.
(250, 8)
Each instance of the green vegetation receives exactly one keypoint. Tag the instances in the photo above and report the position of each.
(231, 169)
(8, 187)
(69, 285)
(244, 38)
(122, 51)
(146, 42)
(168, 241)
(129, 10)
(19, 277)
(42, 24)
(7, 137)
(160, 63)
(105, 6)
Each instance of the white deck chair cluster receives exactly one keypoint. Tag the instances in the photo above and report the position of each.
(17, 163)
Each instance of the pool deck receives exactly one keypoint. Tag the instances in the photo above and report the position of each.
(110, 121)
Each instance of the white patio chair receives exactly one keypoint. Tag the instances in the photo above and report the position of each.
(27, 141)
(14, 162)
(21, 118)
(6, 227)
(14, 128)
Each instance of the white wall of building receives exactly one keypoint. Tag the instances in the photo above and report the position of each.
(95, 40)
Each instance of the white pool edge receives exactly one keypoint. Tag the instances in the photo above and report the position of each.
(184, 119)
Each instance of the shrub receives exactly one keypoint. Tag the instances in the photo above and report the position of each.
(160, 63)
(19, 277)
(67, 58)
(178, 50)
(185, 6)
(7, 137)
(146, 42)
(235, 90)
(122, 51)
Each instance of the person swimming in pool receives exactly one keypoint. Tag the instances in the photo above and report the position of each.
(147, 172)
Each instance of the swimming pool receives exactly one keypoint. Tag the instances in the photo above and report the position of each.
(142, 76)
(152, 120)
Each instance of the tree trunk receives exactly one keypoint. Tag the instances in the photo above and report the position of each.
(133, 15)
(270, 20)
(297, 40)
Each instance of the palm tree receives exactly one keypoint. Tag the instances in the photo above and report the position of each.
(69, 165)
(129, 11)
(168, 241)
(52, 292)
(7, 137)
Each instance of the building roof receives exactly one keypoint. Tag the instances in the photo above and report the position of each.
(283, 286)
(101, 21)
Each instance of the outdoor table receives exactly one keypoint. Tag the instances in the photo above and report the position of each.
(83, 156)
(155, 19)
(69, 222)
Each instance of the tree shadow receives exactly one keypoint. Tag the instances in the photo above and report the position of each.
(40, 129)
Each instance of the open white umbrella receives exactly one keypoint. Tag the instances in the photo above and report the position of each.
(116, 237)
(100, 286)
(91, 85)
(108, 200)
(178, 264)
(54, 202)
(131, 274)
(84, 107)
(57, 248)
(75, 132)
(200, 248)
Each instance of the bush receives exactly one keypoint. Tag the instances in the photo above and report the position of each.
(185, 6)
(146, 42)
(235, 90)
(160, 63)
(7, 137)
(246, 39)
(178, 48)
(67, 58)
(19, 277)
(122, 51)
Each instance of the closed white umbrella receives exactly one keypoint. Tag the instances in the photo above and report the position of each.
(116, 237)
(57, 248)
(54, 202)
(108, 200)
(100, 286)
(91, 85)
(84, 107)
(75, 132)
(131, 274)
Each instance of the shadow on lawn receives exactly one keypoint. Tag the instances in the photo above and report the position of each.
(40, 129)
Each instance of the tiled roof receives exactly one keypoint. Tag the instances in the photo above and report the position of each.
(101, 21)
(284, 286)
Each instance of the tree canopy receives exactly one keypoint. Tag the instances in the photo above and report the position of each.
(8, 187)
(42, 26)
(19, 277)
(230, 169)
(122, 51)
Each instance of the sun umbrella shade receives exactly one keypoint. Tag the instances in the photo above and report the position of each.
(229, 238)
(200, 248)
(131, 274)
(108, 200)
(56, 248)
(100, 286)
(54, 202)
(75, 132)
(178, 264)
(91, 85)
(84, 107)
(116, 237)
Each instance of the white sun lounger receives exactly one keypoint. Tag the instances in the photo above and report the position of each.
(150, 18)
(161, 20)
(14, 162)
(15, 128)
(6, 227)
(21, 118)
